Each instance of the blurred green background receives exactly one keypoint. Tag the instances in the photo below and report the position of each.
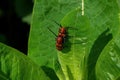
(15, 18)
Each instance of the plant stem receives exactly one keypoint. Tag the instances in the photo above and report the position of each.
(82, 7)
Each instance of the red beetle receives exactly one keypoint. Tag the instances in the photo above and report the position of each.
(60, 37)
(59, 43)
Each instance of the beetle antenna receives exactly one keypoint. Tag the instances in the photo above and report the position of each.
(57, 23)
(51, 31)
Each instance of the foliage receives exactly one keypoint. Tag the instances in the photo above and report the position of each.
(91, 52)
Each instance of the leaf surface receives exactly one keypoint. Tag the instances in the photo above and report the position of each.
(16, 66)
(109, 58)
(42, 48)
(90, 35)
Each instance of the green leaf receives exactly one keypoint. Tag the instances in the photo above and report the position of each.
(16, 66)
(103, 14)
(90, 35)
(73, 58)
(101, 41)
(95, 30)
(108, 64)
(42, 48)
